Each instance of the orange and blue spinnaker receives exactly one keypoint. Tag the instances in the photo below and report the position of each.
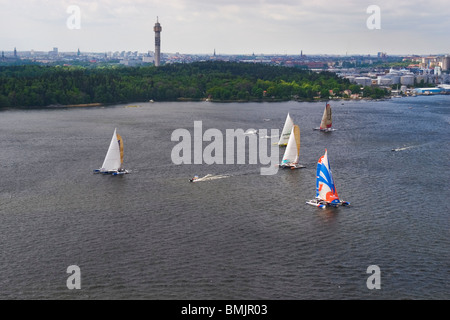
(325, 188)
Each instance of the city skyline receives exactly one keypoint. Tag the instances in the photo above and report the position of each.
(229, 27)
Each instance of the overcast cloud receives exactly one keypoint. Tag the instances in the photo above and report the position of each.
(229, 26)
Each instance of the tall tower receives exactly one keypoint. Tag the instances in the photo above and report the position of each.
(157, 28)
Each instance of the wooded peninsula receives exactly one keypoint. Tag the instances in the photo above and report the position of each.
(39, 86)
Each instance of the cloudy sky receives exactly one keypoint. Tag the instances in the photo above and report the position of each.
(229, 26)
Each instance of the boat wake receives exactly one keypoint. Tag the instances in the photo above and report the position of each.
(251, 132)
(403, 148)
(269, 137)
(209, 177)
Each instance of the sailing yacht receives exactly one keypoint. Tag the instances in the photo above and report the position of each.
(292, 152)
(326, 194)
(113, 163)
(287, 128)
(325, 124)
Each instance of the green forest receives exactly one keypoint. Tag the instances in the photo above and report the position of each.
(37, 85)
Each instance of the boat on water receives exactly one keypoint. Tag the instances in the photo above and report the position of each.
(194, 179)
(326, 194)
(292, 153)
(325, 124)
(113, 163)
(286, 132)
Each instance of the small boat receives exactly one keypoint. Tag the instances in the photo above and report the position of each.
(113, 163)
(292, 152)
(287, 128)
(325, 124)
(326, 194)
(194, 179)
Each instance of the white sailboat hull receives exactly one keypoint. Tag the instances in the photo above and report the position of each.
(323, 204)
(325, 130)
(111, 172)
(291, 166)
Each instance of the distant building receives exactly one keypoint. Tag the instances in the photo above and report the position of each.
(446, 63)
(407, 80)
(384, 81)
(421, 77)
(445, 88)
(437, 71)
(363, 81)
(157, 28)
(53, 53)
(428, 91)
(148, 59)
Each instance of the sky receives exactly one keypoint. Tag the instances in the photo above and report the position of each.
(229, 26)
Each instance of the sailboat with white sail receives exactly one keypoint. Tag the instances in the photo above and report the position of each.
(292, 153)
(287, 128)
(325, 124)
(326, 194)
(113, 163)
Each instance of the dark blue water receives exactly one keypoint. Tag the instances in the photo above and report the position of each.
(153, 235)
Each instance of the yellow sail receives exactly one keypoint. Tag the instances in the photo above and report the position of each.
(119, 139)
(297, 139)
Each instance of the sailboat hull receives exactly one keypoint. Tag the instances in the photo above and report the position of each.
(291, 166)
(325, 130)
(324, 204)
(316, 203)
(113, 173)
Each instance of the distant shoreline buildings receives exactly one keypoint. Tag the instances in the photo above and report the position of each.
(398, 74)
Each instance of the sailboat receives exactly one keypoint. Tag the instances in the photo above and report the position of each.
(113, 163)
(326, 194)
(325, 124)
(287, 128)
(292, 152)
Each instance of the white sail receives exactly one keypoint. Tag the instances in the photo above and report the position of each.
(288, 125)
(292, 151)
(113, 159)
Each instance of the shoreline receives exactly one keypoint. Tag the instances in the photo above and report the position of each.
(99, 104)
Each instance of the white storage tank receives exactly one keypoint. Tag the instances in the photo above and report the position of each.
(363, 81)
(407, 80)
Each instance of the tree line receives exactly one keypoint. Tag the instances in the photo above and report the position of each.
(36, 85)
